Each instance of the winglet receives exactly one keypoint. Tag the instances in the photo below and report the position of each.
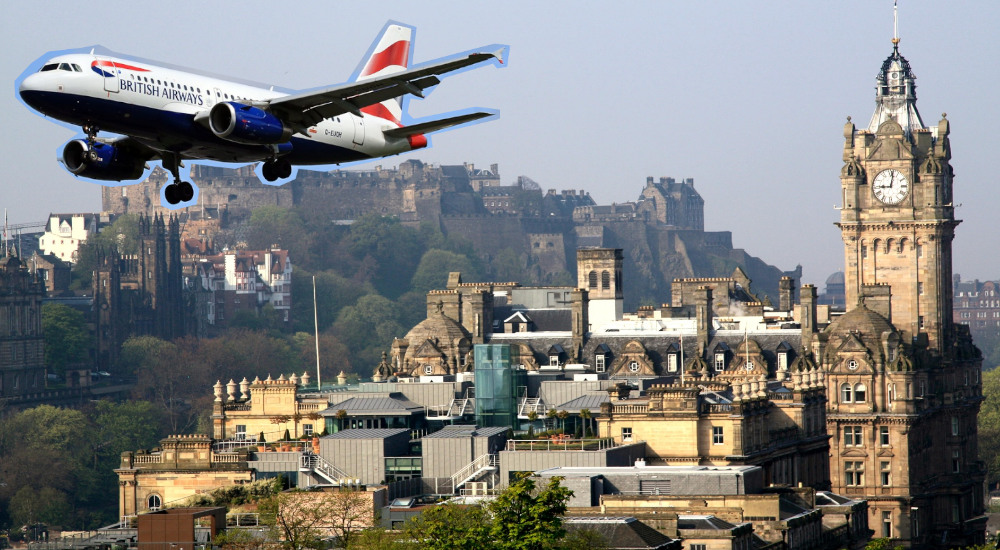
(499, 54)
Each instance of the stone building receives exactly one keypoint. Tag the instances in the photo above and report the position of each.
(977, 306)
(22, 361)
(54, 272)
(903, 378)
(66, 232)
(183, 466)
(242, 280)
(140, 294)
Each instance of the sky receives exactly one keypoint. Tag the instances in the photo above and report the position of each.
(747, 98)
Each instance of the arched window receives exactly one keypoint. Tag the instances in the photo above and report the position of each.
(153, 502)
(859, 393)
(846, 394)
(593, 279)
(605, 280)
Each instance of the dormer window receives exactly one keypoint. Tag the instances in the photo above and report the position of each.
(428, 370)
(553, 360)
(672, 362)
(633, 366)
(599, 365)
(720, 362)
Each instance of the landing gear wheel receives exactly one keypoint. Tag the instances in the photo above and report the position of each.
(172, 194)
(283, 168)
(185, 191)
(269, 171)
(91, 132)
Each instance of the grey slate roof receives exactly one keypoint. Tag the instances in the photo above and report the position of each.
(590, 401)
(374, 406)
(462, 431)
(621, 533)
(366, 433)
(703, 522)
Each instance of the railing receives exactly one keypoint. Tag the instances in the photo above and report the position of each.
(227, 458)
(780, 396)
(236, 407)
(564, 444)
(230, 445)
(718, 408)
(310, 406)
(629, 408)
(529, 405)
(317, 464)
(488, 461)
(147, 459)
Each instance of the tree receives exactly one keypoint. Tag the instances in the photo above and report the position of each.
(521, 518)
(66, 336)
(434, 267)
(451, 527)
(304, 519)
(989, 425)
(563, 415)
(586, 415)
(881, 544)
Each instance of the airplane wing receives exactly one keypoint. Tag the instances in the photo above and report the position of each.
(306, 109)
(434, 125)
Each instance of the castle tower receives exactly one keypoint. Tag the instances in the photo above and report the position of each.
(903, 380)
(599, 270)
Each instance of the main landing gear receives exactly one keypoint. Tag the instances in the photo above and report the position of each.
(91, 131)
(276, 169)
(178, 191)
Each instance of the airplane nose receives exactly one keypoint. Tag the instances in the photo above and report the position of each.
(31, 89)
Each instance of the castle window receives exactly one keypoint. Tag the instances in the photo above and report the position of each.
(626, 434)
(853, 436)
(920, 288)
(864, 251)
(883, 436)
(854, 473)
(592, 279)
(605, 280)
(885, 473)
(887, 524)
(718, 438)
(859, 393)
(846, 393)
(153, 502)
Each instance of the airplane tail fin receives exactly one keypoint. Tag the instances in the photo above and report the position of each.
(389, 55)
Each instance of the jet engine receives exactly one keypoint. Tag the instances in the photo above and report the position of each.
(101, 161)
(247, 124)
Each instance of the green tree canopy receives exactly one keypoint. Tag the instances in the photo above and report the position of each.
(989, 425)
(67, 339)
(434, 267)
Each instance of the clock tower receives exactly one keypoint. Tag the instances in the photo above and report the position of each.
(897, 218)
(903, 381)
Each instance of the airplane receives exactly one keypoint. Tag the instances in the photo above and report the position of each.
(172, 115)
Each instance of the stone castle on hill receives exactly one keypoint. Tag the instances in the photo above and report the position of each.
(663, 230)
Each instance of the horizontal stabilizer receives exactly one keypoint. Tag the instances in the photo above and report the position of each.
(435, 125)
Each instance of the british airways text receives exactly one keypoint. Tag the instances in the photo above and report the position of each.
(159, 91)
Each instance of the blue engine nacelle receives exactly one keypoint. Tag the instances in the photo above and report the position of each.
(247, 124)
(101, 161)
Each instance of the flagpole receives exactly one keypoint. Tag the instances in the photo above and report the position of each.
(319, 380)
(682, 359)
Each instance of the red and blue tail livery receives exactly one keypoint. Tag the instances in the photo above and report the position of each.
(134, 112)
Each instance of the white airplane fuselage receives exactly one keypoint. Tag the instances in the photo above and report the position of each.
(154, 105)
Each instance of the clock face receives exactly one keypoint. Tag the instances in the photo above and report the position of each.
(890, 186)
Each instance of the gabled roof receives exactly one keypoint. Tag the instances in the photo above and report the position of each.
(391, 405)
(621, 533)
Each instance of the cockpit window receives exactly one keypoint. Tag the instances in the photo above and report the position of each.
(65, 67)
(49, 67)
(77, 68)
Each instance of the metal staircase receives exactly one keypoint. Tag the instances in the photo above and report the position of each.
(316, 464)
(486, 463)
(529, 404)
(456, 409)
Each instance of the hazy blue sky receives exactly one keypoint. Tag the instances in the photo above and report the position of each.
(748, 98)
